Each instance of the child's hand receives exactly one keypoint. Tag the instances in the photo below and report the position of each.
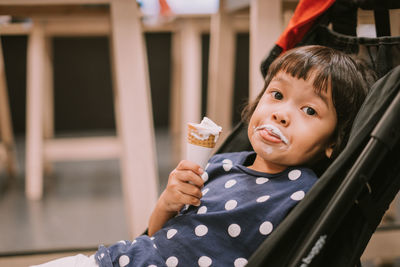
(184, 187)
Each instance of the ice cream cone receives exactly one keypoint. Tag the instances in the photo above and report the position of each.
(202, 139)
(196, 138)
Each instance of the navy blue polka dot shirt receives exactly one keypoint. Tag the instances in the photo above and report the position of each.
(240, 207)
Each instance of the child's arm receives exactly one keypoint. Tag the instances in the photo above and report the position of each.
(184, 187)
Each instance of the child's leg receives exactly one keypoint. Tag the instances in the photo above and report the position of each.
(71, 261)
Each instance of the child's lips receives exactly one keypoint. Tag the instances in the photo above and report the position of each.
(270, 136)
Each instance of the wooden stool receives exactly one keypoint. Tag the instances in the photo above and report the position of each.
(134, 144)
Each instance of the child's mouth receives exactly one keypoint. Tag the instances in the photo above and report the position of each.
(275, 134)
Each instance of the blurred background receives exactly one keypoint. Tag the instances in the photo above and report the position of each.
(82, 204)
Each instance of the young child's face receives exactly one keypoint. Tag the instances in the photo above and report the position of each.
(291, 124)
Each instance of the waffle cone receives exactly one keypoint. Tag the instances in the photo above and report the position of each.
(209, 142)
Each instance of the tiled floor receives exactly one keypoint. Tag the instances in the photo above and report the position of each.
(82, 206)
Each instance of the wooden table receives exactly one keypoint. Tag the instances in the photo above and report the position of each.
(134, 143)
(263, 20)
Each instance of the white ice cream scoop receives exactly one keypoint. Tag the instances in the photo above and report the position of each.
(202, 138)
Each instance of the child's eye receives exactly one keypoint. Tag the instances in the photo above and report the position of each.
(277, 95)
(309, 111)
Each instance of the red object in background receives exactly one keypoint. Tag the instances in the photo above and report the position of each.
(307, 11)
(165, 10)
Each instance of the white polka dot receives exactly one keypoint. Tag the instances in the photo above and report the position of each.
(134, 241)
(171, 233)
(299, 195)
(152, 238)
(101, 255)
(234, 230)
(204, 176)
(230, 204)
(266, 228)
(172, 261)
(123, 260)
(240, 262)
(230, 183)
(122, 242)
(152, 265)
(261, 180)
(201, 230)
(208, 164)
(185, 207)
(202, 210)
(294, 174)
(227, 164)
(204, 261)
(263, 198)
(205, 191)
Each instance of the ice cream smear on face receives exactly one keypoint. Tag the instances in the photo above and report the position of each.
(273, 130)
(202, 138)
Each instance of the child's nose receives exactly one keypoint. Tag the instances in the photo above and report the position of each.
(281, 118)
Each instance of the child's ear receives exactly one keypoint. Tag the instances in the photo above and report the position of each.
(329, 150)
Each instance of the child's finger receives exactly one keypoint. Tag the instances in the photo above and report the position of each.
(188, 165)
(191, 190)
(189, 177)
(189, 199)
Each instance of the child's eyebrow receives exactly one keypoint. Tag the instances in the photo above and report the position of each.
(279, 78)
(322, 96)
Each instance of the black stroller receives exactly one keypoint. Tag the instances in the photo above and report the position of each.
(335, 221)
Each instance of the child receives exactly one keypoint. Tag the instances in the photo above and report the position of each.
(302, 117)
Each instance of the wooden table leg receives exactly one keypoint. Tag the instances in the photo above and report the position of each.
(190, 75)
(221, 68)
(48, 110)
(176, 98)
(186, 83)
(134, 115)
(265, 28)
(34, 128)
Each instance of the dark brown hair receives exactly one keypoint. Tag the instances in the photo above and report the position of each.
(329, 67)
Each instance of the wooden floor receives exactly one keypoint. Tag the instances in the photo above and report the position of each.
(82, 205)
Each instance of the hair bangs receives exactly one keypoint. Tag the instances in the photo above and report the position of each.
(299, 68)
